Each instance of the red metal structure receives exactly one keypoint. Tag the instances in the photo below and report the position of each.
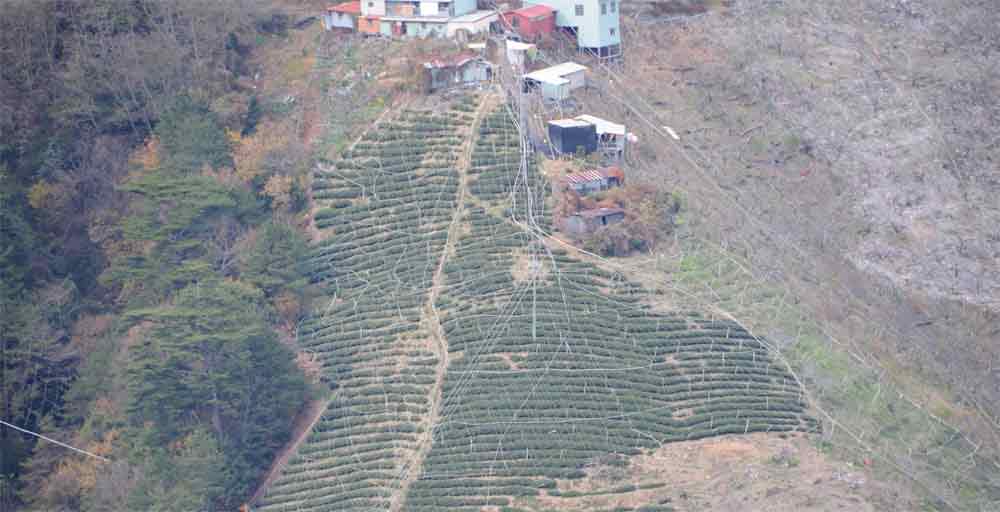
(532, 23)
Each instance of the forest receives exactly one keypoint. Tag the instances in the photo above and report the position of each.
(148, 256)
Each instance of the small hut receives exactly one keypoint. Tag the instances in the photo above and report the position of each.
(585, 182)
(587, 221)
(568, 135)
(464, 69)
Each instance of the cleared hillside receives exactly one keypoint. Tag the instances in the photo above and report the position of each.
(472, 364)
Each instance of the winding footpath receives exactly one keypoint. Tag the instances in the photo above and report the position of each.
(412, 468)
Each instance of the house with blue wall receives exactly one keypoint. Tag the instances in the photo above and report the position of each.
(596, 23)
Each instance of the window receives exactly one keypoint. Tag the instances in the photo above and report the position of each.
(371, 5)
(612, 32)
(604, 8)
(613, 5)
(579, 10)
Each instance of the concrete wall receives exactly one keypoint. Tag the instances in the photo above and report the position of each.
(555, 92)
(576, 80)
(424, 29)
(429, 8)
(478, 27)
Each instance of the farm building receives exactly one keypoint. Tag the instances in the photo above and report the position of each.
(568, 136)
(586, 182)
(532, 23)
(595, 23)
(587, 221)
(557, 82)
(463, 69)
(342, 16)
(611, 137)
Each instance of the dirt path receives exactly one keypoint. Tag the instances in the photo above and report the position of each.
(304, 423)
(432, 319)
(313, 411)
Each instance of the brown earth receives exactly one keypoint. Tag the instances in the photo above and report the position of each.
(752, 472)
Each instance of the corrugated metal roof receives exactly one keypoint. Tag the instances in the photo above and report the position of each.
(555, 74)
(595, 175)
(568, 123)
(603, 126)
(453, 61)
(584, 177)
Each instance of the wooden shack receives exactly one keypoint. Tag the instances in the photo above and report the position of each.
(595, 180)
(588, 221)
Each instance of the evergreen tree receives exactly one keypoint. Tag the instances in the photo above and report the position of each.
(211, 362)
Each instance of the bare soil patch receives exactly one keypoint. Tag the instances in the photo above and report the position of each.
(753, 472)
(526, 268)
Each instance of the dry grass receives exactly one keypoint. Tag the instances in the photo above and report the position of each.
(753, 472)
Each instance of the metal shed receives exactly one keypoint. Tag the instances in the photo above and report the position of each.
(611, 137)
(567, 135)
(557, 82)
(585, 182)
(463, 69)
(587, 221)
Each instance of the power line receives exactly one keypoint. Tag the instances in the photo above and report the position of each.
(60, 443)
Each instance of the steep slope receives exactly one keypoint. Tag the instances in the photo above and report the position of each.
(388, 205)
(550, 365)
(562, 366)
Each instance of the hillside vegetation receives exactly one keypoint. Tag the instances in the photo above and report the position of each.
(462, 378)
(243, 262)
(148, 254)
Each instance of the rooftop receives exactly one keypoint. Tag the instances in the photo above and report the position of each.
(422, 19)
(534, 11)
(451, 61)
(599, 212)
(568, 123)
(595, 174)
(555, 74)
(518, 46)
(347, 7)
(472, 16)
(602, 125)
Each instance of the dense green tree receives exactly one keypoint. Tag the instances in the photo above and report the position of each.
(188, 475)
(83, 84)
(211, 361)
(34, 362)
(191, 137)
(274, 262)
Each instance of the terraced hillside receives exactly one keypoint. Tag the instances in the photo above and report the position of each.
(476, 365)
